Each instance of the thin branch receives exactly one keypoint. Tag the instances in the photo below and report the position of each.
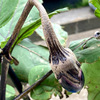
(4, 72)
(82, 43)
(33, 86)
(33, 52)
(18, 27)
(15, 79)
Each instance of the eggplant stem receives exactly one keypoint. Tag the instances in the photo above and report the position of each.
(48, 31)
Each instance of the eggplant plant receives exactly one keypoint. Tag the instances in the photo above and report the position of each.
(27, 62)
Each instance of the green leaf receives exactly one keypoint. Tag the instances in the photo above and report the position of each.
(10, 92)
(58, 11)
(7, 30)
(28, 59)
(96, 3)
(92, 79)
(60, 33)
(97, 13)
(7, 8)
(90, 53)
(48, 87)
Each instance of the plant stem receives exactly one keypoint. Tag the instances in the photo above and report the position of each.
(32, 52)
(18, 27)
(33, 86)
(15, 79)
(82, 43)
(4, 72)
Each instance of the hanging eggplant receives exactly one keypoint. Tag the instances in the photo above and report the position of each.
(64, 63)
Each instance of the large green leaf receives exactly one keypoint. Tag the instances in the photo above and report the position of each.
(48, 87)
(28, 59)
(9, 27)
(90, 53)
(60, 33)
(7, 8)
(96, 3)
(10, 92)
(92, 79)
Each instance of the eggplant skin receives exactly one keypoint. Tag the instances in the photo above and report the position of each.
(70, 85)
(67, 70)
